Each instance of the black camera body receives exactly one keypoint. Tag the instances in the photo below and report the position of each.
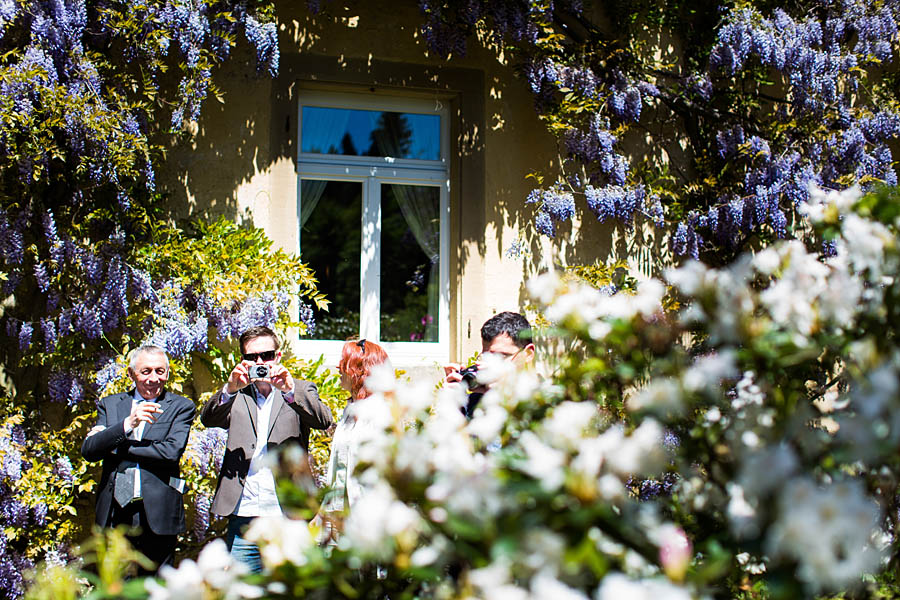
(468, 376)
(258, 371)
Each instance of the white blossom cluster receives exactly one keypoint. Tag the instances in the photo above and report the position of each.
(214, 570)
(558, 470)
(828, 530)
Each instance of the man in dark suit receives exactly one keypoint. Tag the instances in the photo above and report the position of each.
(261, 413)
(140, 436)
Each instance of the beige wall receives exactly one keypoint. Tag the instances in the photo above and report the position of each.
(241, 160)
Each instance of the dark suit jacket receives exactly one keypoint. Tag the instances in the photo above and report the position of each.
(157, 453)
(288, 423)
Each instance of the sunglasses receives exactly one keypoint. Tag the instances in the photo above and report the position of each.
(362, 344)
(266, 356)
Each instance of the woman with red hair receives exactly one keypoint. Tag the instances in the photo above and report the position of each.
(357, 361)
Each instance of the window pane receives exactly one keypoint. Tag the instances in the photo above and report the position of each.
(370, 133)
(410, 263)
(330, 221)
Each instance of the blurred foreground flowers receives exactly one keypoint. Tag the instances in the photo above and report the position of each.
(742, 442)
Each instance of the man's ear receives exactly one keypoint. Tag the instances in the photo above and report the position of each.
(528, 351)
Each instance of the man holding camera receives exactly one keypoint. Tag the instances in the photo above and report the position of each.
(140, 436)
(506, 334)
(263, 407)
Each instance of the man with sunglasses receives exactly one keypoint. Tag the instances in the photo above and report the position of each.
(260, 414)
(506, 334)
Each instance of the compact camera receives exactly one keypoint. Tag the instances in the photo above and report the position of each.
(258, 371)
(468, 376)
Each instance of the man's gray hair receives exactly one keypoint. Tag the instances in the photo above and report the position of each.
(147, 349)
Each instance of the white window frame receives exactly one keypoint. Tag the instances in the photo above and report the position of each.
(372, 172)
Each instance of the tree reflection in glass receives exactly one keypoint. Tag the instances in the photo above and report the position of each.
(330, 216)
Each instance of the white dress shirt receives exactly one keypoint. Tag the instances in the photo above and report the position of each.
(258, 498)
(137, 434)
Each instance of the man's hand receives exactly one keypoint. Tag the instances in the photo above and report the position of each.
(95, 430)
(452, 378)
(281, 379)
(144, 412)
(239, 378)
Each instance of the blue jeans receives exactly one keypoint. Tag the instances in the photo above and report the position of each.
(241, 550)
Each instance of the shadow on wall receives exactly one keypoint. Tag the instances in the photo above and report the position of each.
(238, 142)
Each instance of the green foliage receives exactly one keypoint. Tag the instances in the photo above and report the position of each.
(601, 275)
(229, 262)
(54, 478)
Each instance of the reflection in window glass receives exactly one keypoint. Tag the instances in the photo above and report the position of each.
(410, 253)
(330, 221)
(370, 133)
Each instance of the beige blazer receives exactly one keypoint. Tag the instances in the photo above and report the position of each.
(290, 423)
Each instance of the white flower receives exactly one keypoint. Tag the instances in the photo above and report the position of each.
(488, 422)
(448, 451)
(415, 398)
(581, 304)
(447, 407)
(708, 371)
(589, 457)
(741, 513)
(217, 565)
(280, 540)
(184, 583)
(648, 300)
(214, 568)
(767, 470)
(381, 379)
(751, 566)
(424, 556)
(375, 411)
(493, 368)
(766, 261)
(543, 462)
(616, 586)
(639, 454)
(748, 393)
(611, 488)
(828, 531)
(662, 394)
(690, 278)
(493, 582)
(377, 521)
(544, 287)
(543, 550)
(545, 585)
(474, 495)
(565, 427)
(525, 385)
(821, 200)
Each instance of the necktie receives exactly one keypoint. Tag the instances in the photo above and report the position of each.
(124, 490)
(124, 487)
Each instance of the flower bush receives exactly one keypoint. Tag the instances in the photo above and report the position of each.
(763, 405)
(709, 119)
(780, 366)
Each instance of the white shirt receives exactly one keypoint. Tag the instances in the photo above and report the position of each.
(137, 434)
(258, 498)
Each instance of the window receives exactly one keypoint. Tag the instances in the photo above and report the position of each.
(373, 206)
